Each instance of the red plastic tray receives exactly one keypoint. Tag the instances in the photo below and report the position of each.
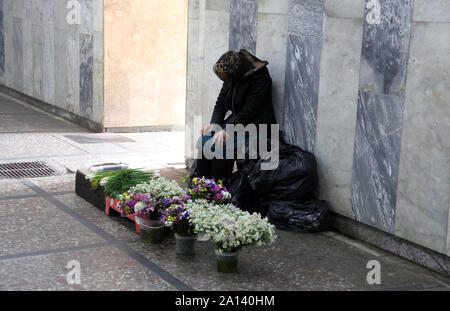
(112, 203)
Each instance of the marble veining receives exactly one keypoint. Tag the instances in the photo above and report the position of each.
(61, 70)
(302, 72)
(376, 159)
(385, 47)
(27, 48)
(49, 51)
(38, 60)
(2, 41)
(306, 17)
(87, 17)
(18, 54)
(243, 25)
(86, 75)
(73, 64)
(380, 111)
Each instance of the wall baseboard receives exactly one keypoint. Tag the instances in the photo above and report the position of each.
(91, 125)
(408, 250)
(143, 129)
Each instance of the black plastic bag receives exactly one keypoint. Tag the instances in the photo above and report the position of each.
(310, 216)
(195, 170)
(295, 177)
(242, 195)
(285, 193)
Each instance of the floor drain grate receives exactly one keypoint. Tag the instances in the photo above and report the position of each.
(25, 170)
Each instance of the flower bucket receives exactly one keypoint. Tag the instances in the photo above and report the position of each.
(227, 262)
(185, 244)
(202, 237)
(151, 231)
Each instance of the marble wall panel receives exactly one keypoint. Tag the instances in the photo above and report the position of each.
(194, 65)
(345, 8)
(18, 54)
(219, 5)
(60, 13)
(336, 111)
(243, 25)
(435, 11)
(2, 42)
(193, 9)
(98, 77)
(37, 14)
(216, 43)
(27, 49)
(61, 70)
(422, 209)
(273, 7)
(86, 75)
(98, 16)
(271, 45)
(302, 72)
(384, 61)
(38, 60)
(47, 8)
(17, 8)
(87, 17)
(42, 52)
(73, 64)
(8, 76)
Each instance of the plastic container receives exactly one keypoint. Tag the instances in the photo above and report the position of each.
(227, 262)
(185, 244)
(152, 231)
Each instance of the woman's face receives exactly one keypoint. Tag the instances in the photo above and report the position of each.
(220, 72)
(227, 67)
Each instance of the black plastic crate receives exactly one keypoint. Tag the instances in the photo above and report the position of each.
(84, 190)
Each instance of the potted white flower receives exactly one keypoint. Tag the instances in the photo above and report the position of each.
(231, 229)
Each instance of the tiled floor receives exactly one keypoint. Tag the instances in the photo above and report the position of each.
(45, 225)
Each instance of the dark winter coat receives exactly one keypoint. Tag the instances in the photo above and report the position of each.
(249, 99)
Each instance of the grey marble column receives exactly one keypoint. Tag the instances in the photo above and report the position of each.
(243, 25)
(86, 75)
(385, 47)
(302, 72)
(17, 36)
(86, 42)
(2, 42)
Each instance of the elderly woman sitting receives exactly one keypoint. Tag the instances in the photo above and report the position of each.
(247, 93)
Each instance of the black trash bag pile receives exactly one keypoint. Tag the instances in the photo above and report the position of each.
(295, 178)
(310, 216)
(285, 194)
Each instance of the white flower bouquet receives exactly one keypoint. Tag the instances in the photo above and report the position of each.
(229, 227)
(160, 188)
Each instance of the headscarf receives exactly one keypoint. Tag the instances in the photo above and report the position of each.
(228, 67)
(233, 66)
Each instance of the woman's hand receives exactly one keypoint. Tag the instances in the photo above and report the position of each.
(220, 139)
(206, 130)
